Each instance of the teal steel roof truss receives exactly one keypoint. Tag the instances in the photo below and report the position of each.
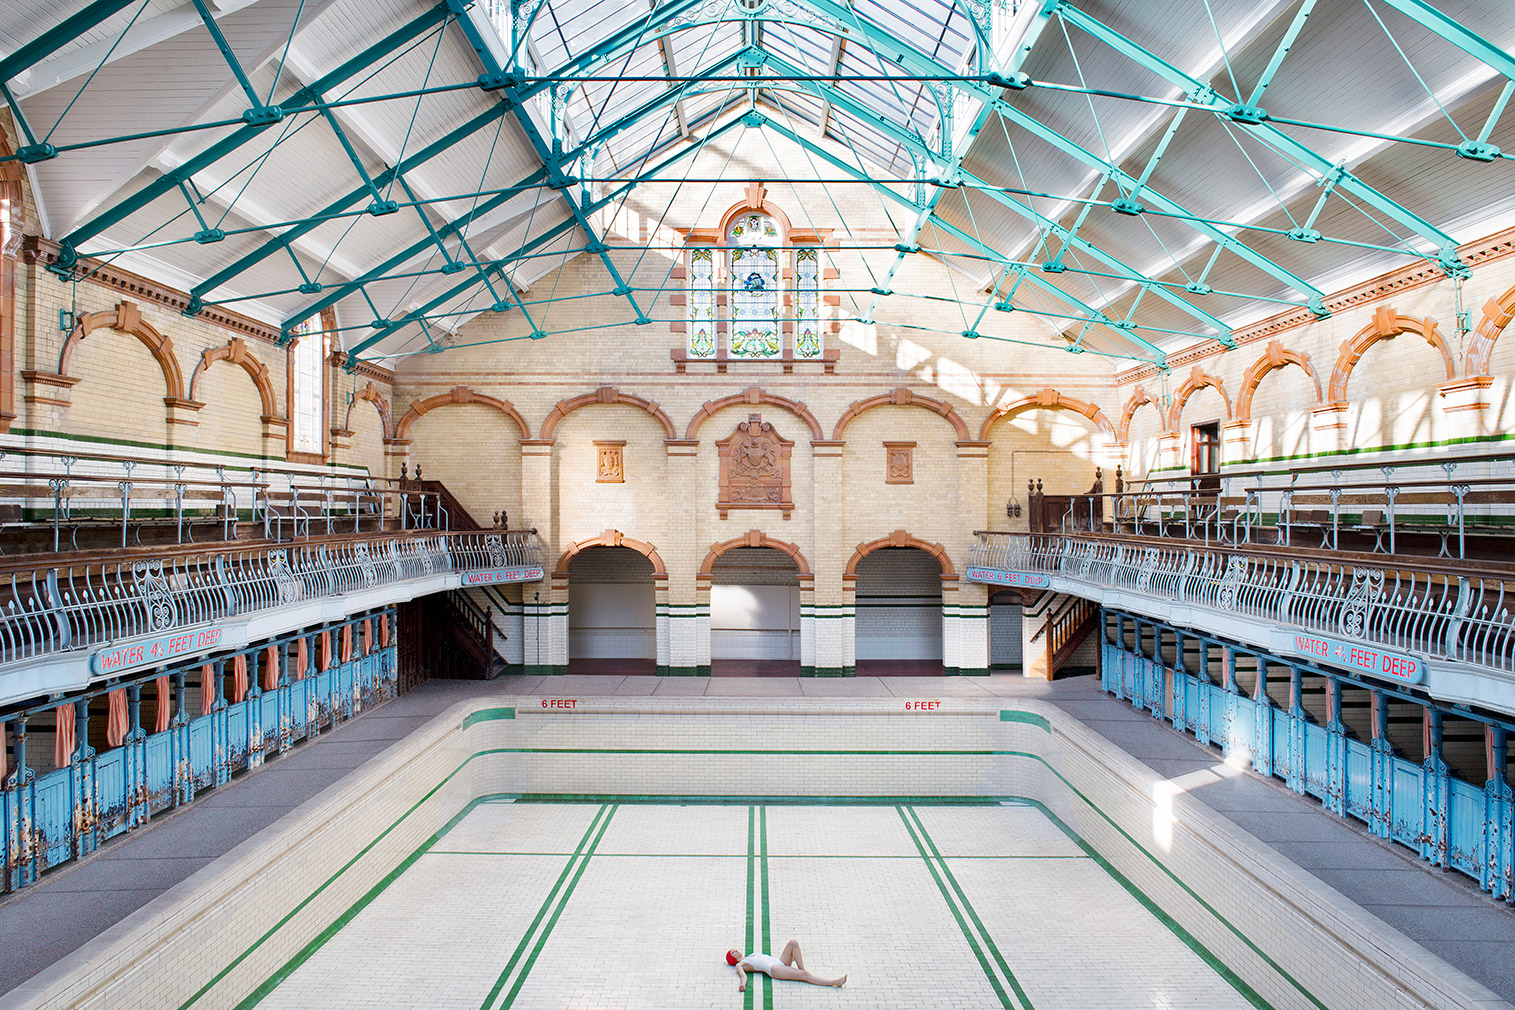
(908, 90)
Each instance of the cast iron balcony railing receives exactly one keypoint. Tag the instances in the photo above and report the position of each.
(77, 603)
(1457, 612)
(1449, 506)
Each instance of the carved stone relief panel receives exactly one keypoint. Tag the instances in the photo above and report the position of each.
(755, 468)
(609, 466)
(899, 462)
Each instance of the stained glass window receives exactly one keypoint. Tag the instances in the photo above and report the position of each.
(702, 303)
(753, 257)
(307, 387)
(807, 302)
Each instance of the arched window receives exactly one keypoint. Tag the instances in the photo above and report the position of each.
(774, 306)
(307, 388)
(752, 257)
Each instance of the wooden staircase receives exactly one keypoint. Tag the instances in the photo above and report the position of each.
(447, 636)
(1074, 620)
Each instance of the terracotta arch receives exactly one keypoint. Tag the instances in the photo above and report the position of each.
(754, 538)
(902, 397)
(754, 396)
(1497, 313)
(612, 538)
(459, 394)
(235, 351)
(1047, 399)
(1196, 381)
(756, 199)
(900, 538)
(1138, 399)
(380, 403)
(127, 318)
(605, 394)
(1386, 325)
(1275, 358)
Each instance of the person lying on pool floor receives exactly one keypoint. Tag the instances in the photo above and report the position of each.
(789, 965)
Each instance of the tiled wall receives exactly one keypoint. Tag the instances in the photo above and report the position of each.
(1259, 916)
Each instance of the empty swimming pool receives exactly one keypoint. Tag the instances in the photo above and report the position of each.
(536, 852)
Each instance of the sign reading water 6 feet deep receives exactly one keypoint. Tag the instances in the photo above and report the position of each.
(1003, 577)
(529, 573)
(1395, 666)
(117, 658)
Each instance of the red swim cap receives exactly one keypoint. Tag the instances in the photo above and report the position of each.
(731, 957)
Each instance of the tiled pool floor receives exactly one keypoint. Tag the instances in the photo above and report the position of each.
(530, 905)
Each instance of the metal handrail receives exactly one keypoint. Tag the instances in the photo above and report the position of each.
(83, 603)
(1459, 613)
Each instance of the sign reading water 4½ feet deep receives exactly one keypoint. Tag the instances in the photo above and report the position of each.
(525, 573)
(125, 656)
(1395, 666)
(1001, 577)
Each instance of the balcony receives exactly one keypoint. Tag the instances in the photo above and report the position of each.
(1402, 577)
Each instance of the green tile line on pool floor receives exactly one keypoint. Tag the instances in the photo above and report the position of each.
(515, 989)
(973, 944)
(978, 924)
(737, 800)
(767, 932)
(751, 884)
(536, 921)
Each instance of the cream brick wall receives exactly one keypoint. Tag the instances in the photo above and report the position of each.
(475, 450)
(230, 398)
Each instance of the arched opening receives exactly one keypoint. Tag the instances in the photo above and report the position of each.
(612, 612)
(899, 612)
(754, 613)
(1006, 643)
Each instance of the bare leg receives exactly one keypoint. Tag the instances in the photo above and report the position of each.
(801, 975)
(791, 955)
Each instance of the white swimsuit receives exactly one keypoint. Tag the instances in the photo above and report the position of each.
(760, 962)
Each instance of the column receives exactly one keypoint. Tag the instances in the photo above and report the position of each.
(685, 607)
(970, 602)
(832, 605)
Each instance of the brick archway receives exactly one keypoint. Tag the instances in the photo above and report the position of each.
(458, 395)
(1047, 399)
(380, 403)
(902, 397)
(127, 318)
(1386, 325)
(753, 396)
(900, 538)
(1497, 313)
(1196, 381)
(754, 538)
(1275, 358)
(1138, 399)
(611, 538)
(607, 395)
(235, 352)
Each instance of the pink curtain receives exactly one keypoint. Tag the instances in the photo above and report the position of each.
(239, 677)
(271, 668)
(3, 755)
(115, 722)
(383, 631)
(207, 688)
(302, 658)
(63, 739)
(161, 722)
(347, 643)
(326, 650)
(367, 635)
